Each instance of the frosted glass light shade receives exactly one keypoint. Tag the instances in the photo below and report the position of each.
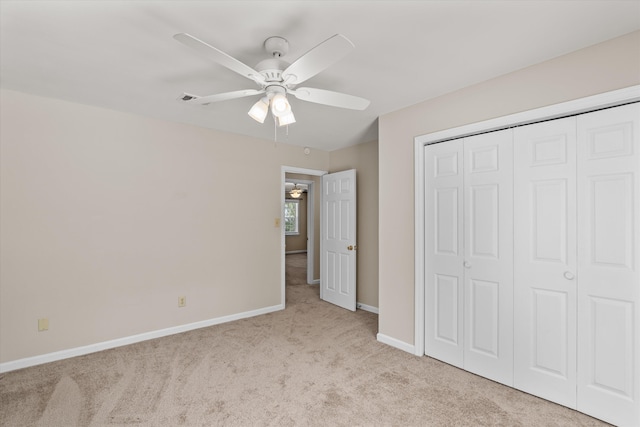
(259, 110)
(295, 192)
(286, 119)
(280, 105)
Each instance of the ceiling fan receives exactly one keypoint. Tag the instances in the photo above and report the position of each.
(277, 78)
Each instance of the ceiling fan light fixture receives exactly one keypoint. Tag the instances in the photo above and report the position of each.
(295, 192)
(259, 110)
(286, 119)
(277, 77)
(280, 105)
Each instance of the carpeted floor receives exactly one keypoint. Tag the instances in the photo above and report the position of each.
(312, 364)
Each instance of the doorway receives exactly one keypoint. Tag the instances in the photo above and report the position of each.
(302, 227)
(312, 221)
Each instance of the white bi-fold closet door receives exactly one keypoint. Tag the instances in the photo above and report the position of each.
(531, 259)
(577, 286)
(469, 285)
(545, 259)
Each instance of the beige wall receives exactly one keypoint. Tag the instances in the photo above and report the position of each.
(364, 158)
(106, 218)
(600, 68)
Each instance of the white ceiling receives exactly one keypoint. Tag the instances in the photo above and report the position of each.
(121, 55)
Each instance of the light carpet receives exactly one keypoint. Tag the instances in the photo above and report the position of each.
(312, 364)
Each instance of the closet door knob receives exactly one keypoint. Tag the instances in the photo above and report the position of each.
(569, 275)
(466, 264)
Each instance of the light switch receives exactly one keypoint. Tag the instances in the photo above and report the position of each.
(43, 325)
(276, 222)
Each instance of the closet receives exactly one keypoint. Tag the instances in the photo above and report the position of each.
(531, 258)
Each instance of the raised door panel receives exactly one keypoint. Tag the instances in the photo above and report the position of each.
(545, 260)
(484, 214)
(550, 337)
(445, 204)
(443, 252)
(609, 281)
(483, 315)
(488, 255)
(610, 241)
(445, 310)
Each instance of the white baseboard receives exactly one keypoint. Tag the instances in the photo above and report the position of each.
(315, 282)
(119, 342)
(302, 251)
(368, 308)
(401, 345)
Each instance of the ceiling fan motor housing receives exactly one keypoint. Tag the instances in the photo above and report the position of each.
(271, 69)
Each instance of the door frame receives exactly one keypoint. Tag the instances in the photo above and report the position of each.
(311, 242)
(569, 108)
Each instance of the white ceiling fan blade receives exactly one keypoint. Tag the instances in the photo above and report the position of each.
(317, 59)
(219, 56)
(327, 97)
(204, 100)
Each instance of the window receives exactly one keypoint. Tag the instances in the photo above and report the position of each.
(291, 217)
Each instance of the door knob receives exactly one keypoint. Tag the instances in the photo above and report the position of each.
(569, 275)
(466, 264)
(352, 248)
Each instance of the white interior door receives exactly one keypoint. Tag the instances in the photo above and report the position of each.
(608, 264)
(488, 255)
(444, 251)
(338, 243)
(545, 260)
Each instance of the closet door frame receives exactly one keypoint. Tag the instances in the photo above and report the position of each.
(582, 105)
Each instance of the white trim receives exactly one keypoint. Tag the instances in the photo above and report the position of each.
(283, 171)
(369, 308)
(119, 342)
(401, 345)
(419, 292)
(301, 251)
(311, 230)
(315, 282)
(304, 171)
(577, 106)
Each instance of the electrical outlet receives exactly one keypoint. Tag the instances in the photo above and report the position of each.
(182, 301)
(43, 325)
